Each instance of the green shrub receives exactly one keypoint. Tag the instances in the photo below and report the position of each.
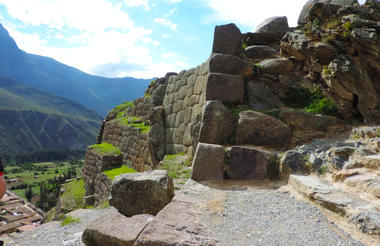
(322, 106)
(152, 82)
(106, 149)
(120, 109)
(111, 174)
(70, 220)
(244, 46)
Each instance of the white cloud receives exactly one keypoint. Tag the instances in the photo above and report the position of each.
(170, 12)
(88, 15)
(108, 43)
(172, 1)
(166, 35)
(137, 3)
(251, 13)
(166, 22)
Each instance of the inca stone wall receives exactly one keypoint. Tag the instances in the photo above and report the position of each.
(184, 103)
(98, 185)
(133, 144)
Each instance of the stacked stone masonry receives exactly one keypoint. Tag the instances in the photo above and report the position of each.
(184, 103)
(97, 184)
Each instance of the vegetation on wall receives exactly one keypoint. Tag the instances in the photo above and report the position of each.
(106, 149)
(111, 174)
(135, 122)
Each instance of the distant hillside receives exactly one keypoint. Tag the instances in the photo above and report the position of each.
(97, 93)
(34, 120)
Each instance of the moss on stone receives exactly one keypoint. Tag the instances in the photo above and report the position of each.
(106, 149)
(135, 122)
(112, 173)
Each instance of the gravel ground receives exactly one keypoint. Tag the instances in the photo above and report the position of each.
(258, 216)
(53, 234)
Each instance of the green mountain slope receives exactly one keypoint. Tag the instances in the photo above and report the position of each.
(97, 93)
(34, 120)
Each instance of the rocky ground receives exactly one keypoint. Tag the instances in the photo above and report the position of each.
(53, 233)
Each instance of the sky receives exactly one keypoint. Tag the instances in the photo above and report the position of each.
(134, 38)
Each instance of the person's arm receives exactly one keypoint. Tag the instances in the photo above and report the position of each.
(2, 181)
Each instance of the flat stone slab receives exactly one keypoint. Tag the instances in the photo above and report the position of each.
(115, 229)
(348, 205)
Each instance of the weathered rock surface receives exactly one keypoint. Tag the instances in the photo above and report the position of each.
(227, 40)
(358, 211)
(309, 4)
(209, 161)
(141, 193)
(249, 163)
(276, 66)
(176, 224)
(218, 124)
(260, 51)
(225, 87)
(263, 38)
(115, 229)
(276, 24)
(260, 97)
(260, 129)
(230, 64)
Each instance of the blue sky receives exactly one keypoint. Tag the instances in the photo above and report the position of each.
(138, 38)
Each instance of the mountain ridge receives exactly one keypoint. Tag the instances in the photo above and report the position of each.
(95, 92)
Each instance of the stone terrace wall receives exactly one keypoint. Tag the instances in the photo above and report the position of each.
(97, 185)
(184, 103)
(133, 144)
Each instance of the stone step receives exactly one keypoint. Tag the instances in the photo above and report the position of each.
(364, 214)
(115, 229)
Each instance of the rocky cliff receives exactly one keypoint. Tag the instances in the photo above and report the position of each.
(260, 105)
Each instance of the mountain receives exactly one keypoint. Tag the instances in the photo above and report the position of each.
(97, 93)
(35, 120)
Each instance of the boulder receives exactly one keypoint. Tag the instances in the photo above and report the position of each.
(227, 40)
(261, 98)
(302, 19)
(292, 162)
(248, 163)
(295, 44)
(115, 229)
(208, 164)
(230, 64)
(260, 51)
(218, 123)
(276, 66)
(259, 129)
(141, 193)
(225, 87)
(276, 24)
(261, 38)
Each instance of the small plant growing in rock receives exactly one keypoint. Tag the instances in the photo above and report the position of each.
(322, 170)
(244, 46)
(106, 149)
(152, 82)
(70, 220)
(332, 23)
(326, 71)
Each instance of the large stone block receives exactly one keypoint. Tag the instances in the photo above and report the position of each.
(208, 164)
(141, 193)
(261, 98)
(276, 66)
(225, 87)
(227, 40)
(115, 229)
(230, 64)
(277, 24)
(249, 163)
(260, 51)
(263, 130)
(263, 38)
(218, 123)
